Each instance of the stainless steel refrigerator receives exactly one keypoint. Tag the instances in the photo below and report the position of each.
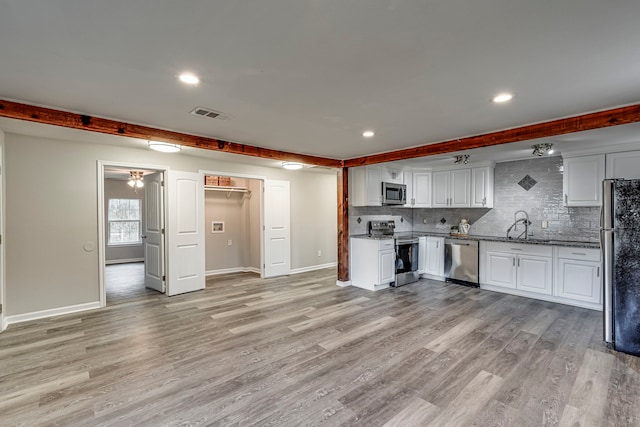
(620, 243)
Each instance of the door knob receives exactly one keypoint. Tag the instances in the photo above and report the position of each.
(143, 236)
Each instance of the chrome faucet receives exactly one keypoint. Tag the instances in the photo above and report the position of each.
(524, 220)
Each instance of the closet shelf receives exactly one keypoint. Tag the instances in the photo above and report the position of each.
(228, 190)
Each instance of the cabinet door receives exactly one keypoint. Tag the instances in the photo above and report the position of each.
(579, 280)
(460, 188)
(422, 189)
(408, 181)
(391, 175)
(501, 269)
(440, 187)
(387, 267)
(482, 187)
(534, 274)
(582, 180)
(373, 183)
(422, 254)
(623, 165)
(435, 256)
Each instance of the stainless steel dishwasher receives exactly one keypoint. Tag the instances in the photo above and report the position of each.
(461, 261)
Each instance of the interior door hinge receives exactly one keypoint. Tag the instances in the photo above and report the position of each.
(164, 278)
(163, 231)
(161, 183)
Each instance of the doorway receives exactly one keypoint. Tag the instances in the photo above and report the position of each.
(132, 256)
(270, 214)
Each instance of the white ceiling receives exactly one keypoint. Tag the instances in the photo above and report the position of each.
(309, 76)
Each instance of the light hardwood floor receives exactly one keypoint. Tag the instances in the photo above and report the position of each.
(299, 351)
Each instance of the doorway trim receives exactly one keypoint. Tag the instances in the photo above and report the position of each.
(261, 178)
(101, 164)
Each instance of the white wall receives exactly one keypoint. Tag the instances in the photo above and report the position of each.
(52, 226)
(119, 189)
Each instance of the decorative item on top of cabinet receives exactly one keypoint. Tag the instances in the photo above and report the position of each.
(582, 180)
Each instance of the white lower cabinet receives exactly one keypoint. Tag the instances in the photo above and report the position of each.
(373, 263)
(560, 274)
(578, 275)
(534, 274)
(422, 254)
(434, 257)
(521, 267)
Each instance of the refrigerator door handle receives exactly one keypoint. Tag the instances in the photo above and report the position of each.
(606, 243)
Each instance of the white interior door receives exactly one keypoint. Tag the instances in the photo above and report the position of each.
(185, 232)
(277, 235)
(153, 232)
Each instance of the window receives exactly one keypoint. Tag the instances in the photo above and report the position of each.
(124, 221)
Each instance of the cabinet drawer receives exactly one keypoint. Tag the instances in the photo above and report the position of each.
(579, 253)
(520, 248)
(386, 244)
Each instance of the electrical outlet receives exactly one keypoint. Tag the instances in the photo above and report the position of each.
(545, 224)
(319, 253)
(229, 242)
(424, 221)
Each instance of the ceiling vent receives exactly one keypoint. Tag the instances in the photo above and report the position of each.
(208, 112)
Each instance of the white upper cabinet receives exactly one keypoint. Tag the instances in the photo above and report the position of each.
(422, 189)
(392, 175)
(461, 188)
(623, 165)
(582, 180)
(408, 181)
(441, 184)
(365, 186)
(482, 187)
(452, 189)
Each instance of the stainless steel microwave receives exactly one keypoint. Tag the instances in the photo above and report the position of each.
(394, 194)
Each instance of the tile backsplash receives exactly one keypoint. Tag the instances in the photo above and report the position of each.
(542, 201)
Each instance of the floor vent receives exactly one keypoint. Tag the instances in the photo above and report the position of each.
(208, 112)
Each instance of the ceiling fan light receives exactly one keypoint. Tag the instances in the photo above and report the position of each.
(131, 182)
(292, 166)
(164, 147)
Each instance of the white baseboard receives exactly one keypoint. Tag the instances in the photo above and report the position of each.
(343, 284)
(51, 312)
(312, 268)
(123, 261)
(232, 270)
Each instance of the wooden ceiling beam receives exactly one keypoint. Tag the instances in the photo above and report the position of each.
(49, 116)
(600, 119)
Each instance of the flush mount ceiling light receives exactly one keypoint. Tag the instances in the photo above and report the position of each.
(502, 97)
(135, 179)
(189, 78)
(164, 147)
(542, 149)
(292, 166)
(368, 133)
(462, 158)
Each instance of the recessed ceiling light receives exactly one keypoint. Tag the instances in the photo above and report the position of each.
(502, 97)
(292, 165)
(189, 78)
(164, 147)
(368, 133)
